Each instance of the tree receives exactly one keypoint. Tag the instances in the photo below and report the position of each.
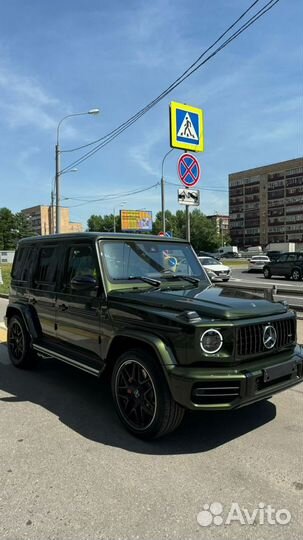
(104, 223)
(12, 228)
(204, 236)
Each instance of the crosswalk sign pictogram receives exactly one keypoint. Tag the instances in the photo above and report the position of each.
(186, 127)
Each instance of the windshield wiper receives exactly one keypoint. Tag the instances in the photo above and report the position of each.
(191, 279)
(154, 282)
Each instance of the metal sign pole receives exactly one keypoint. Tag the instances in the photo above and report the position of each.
(187, 221)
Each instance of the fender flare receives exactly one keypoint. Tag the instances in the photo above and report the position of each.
(29, 318)
(163, 352)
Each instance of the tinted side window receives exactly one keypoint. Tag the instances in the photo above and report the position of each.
(46, 268)
(17, 265)
(81, 261)
(282, 258)
(292, 257)
(300, 257)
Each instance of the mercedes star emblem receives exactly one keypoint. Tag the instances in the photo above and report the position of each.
(269, 337)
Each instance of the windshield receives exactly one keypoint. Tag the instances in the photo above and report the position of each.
(208, 261)
(153, 259)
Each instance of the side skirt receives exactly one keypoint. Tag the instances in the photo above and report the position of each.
(47, 353)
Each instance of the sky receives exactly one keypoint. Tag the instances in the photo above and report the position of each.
(64, 57)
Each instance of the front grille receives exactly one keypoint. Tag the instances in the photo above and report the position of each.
(250, 338)
(216, 392)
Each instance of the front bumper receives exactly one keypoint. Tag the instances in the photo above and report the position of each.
(231, 388)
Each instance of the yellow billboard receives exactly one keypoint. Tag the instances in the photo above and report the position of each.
(136, 220)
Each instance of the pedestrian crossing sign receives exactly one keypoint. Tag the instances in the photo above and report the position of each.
(186, 127)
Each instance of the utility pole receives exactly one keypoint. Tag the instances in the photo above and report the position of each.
(58, 190)
(58, 169)
(163, 192)
(52, 214)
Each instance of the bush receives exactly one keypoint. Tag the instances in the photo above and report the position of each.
(6, 277)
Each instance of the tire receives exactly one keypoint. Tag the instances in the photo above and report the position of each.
(18, 343)
(296, 274)
(266, 272)
(150, 415)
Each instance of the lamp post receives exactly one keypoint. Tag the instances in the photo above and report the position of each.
(58, 172)
(163, 192)
(120, 206)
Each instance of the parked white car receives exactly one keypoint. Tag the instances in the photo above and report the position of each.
(215, 269)
(257, 263)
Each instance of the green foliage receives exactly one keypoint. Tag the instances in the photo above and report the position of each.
(203, 232)
(104, 223)
(12, 228)
(6, 277)
(204, 236)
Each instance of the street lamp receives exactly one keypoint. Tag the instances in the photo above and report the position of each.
(58, 172)
(120, 206)
(162, 191)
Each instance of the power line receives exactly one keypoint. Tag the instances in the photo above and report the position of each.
(106, 139)
(204, 187)
(184, 73)
(114, 197)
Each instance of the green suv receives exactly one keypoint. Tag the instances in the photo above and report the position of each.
(142, 309)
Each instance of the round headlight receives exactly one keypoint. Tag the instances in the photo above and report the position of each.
(211, 341)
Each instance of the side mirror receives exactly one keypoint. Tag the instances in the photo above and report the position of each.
(84, 283)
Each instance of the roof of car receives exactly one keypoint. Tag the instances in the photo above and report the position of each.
(98, 236)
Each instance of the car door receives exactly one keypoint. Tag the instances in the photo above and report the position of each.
(279, 267)
(290, 263)
(78, 311)
(41, 294)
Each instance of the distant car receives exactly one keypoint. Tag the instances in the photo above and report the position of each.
(288, 265)
(230, 255)
(257, 263)
(207, 254)
(215, 269)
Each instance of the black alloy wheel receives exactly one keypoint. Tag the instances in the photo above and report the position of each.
(141, 395)
(18, 341)
(267, 273)
(296, 274)
(136, 396)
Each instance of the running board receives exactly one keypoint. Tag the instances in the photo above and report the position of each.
(47, 353)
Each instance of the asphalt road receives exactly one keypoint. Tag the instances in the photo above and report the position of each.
(257, 279)
(68, 470)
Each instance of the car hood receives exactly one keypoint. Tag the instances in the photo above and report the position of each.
(208, 301)
(216, 267)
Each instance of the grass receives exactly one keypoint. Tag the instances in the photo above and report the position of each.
(6, 277)
(234, 263)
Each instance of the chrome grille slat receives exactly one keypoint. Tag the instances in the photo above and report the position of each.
(250, 338)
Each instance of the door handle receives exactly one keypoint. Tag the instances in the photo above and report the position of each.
(63, 307)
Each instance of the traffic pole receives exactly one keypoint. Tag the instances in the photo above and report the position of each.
(58, 193)
(187, 222)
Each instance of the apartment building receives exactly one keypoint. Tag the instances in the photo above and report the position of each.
(43, 220)
(266, 204)
(221, 222)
